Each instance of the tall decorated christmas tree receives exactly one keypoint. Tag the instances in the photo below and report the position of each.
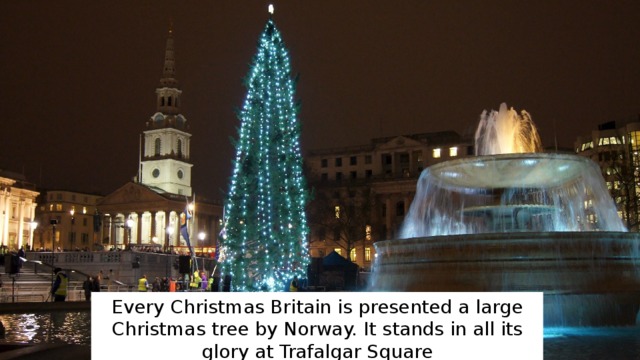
(264, 239)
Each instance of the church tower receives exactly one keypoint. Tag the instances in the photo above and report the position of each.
(165, 165)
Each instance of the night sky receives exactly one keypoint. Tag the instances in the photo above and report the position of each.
(78, 78)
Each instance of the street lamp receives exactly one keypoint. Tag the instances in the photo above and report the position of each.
(72, 238)
(129, 225)
(34, 225)
(202, 236)
(170, 231)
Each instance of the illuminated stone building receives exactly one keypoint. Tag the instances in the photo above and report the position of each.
(615, 147)
(146, 212)
(362, 193)
(17, 211)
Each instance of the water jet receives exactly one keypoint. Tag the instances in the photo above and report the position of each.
(514, 219)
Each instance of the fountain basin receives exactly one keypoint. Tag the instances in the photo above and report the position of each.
(588, 278)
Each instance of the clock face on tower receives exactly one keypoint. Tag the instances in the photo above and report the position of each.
(180, 174)
(156, 173)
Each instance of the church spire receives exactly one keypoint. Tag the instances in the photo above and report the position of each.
(165, 163)
(169, 70)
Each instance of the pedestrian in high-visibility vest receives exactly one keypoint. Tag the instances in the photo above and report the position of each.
(59, 288)
(143, 284)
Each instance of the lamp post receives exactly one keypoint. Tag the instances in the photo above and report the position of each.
(53, 222)
(201, 237)
(34, 226)
(170, 231)
(129, 225)
(72, 238)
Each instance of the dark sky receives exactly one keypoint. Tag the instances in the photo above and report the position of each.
(78, 78)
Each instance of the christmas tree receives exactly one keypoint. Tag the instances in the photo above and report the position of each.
(264, 238)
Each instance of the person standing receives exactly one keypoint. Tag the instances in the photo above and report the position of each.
(293, 286)
(143, 284)
(155, 287)
(59, 289)
(96, 283)
(87, 286)
(204, 284)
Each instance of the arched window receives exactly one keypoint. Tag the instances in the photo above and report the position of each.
(180, 147)
(157, 147)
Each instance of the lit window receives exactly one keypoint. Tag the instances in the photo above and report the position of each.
(436, 153)
(453, 151)
(352, 255)
(84, 209)
(367, 232)
(338, 250)
(58, 207)
(337, 209)
(367, 254)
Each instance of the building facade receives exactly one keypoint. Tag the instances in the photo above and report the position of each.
(615, 147)
(361, 194)
(148, 213)
(69, 217)
(17, 216)
(166, 147)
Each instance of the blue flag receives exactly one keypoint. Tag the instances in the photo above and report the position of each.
(184, 231)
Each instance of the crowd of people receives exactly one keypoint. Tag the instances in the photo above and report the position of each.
(198, 281)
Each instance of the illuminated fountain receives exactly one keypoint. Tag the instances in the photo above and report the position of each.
(512, 219)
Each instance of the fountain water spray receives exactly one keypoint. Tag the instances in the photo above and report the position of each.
(517, 220)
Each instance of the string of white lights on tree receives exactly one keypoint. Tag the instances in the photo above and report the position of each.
(264, 240)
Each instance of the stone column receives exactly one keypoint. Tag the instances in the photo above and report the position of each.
(139, 228)
(389, 210)
(152, 231)
(20, 234)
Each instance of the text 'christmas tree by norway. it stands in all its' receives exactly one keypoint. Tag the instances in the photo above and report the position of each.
(264, 238)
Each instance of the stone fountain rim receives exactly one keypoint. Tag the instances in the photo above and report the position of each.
(544, 170)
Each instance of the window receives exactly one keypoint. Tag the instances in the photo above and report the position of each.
(353, 160)
(157, 146)
(85, 238)
(324, 163)
(84, 222)
(367, 254)
(352, 255)
(179, 147)
(367, 232)
(453, 151)
(337, 211)
(324, 176)
(58, 207)
(84, 208)
(436, 153)
(367, 159)
(338, 162)
(338, 250)
(338, 176)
